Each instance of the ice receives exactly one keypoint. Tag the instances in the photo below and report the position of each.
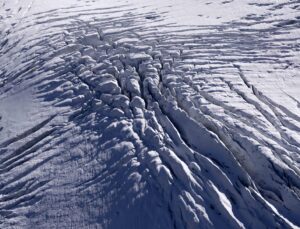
(157, 114)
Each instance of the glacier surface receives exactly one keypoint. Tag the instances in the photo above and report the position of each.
(150, 114)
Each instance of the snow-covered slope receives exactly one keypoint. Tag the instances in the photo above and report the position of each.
(149, 114)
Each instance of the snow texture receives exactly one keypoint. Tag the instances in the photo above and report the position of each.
(149, 114)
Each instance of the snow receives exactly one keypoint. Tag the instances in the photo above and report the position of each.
(17, 110)
(227, 205)
(149, 114)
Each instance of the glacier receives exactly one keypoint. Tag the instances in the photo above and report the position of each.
(150, 114)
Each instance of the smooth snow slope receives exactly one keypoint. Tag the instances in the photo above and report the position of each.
(149, 114)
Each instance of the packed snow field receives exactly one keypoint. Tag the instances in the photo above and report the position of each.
(150, 114)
